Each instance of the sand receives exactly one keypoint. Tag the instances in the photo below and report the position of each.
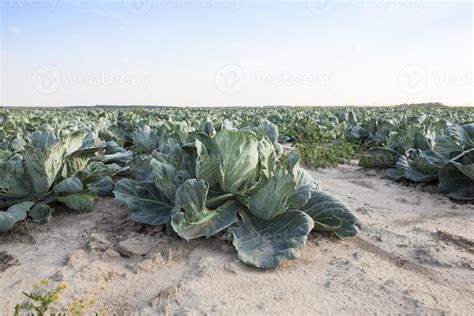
(414, 254)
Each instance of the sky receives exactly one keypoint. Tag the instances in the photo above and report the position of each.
(235, 52)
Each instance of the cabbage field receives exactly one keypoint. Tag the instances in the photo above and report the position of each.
(237, 174)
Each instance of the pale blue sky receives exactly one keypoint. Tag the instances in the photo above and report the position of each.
(233, 52)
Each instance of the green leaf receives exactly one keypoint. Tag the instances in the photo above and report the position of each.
(191, 196)
(191, 219)
(83, 201)
(68, 185)
(379, 158)
(73, 142)
(293, 162)
(3, 118)
(149, 205)
(42, 141)
(119, 157)
(41, 213)
(301, 197)
(208, 168)
(208, 129)
(266, 157)
(331, 215)
(265, 244)
(179, 158)
(13, 183)
(17, 145)
(417, 166)
(144, 139)
(456, 178)
(268, 129)
(458, 139)
(140, 168)
(300, 176)
(445, 145)
(102, 187)
(93, 173)
(238, 154)
(78, 160)
(166, 178)
(271, 195)
(42, 168)
(209, 223)
(14, 214)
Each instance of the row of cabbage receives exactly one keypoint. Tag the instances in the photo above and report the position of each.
(221, 172)
(201, 180)
(421, 149)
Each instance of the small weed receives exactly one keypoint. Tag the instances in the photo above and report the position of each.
(40, 298)
(79, 308)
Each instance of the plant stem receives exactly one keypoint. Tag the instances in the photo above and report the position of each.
(217, 201)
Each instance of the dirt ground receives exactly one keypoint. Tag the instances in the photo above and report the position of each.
(414, 254)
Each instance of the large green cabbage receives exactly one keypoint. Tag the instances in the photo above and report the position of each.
(232, 179)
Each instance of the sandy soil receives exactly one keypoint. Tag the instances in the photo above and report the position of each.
(415, 254)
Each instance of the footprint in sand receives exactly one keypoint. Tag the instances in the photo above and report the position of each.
(405, 201)
(363, 183)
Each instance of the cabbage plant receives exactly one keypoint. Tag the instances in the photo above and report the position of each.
(447, 158)
(456, 178)
(42, 170)
(418, 166)
(233, 181)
